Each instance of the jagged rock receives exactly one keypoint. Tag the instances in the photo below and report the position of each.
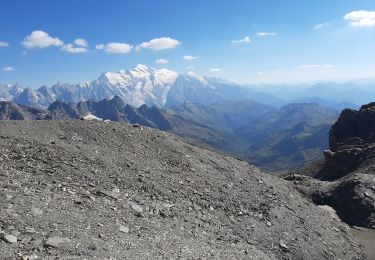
(351, 140)
(349, 167)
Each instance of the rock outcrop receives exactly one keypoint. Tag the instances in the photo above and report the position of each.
(346, 181)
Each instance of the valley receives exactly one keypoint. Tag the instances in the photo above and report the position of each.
(187, 130)
(269, 132)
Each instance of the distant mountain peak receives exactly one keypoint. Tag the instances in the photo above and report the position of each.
(141, 67)
(135, 86)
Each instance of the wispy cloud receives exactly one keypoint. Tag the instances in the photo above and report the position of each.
(266, 34)
(244, 40)
(73, 49)
(3, 44)
(215, 70)
(162, 61)
(321, 26)
(79, 46)
(190, 58)
(115, 47)
(361, 18)
(81, 42)
(41, 39)
(8, 69)
(158, 44)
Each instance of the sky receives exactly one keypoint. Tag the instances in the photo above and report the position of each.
(246, 41)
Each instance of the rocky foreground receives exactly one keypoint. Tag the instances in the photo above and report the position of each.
(94, 190)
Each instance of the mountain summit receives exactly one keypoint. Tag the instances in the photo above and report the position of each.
(136, 86)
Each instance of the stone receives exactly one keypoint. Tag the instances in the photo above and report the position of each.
(9, 238)
(36, 211)
(136, 207)
(124, 229)
(113, 194)
(283, 246)
(55, 241)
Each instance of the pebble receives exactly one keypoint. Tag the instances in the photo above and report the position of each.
(124, 229)
(55, 241)
(36, 211)
(268, 224)
(136, 207)
(10, 239)
(283, 246)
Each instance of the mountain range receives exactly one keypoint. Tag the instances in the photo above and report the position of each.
(137, 86)
(273, 127)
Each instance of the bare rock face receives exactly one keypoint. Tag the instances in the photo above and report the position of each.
(349, 168)
(351, 140)
(99, 190)
(353, 124)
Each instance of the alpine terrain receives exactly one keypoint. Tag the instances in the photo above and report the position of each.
(91, 189)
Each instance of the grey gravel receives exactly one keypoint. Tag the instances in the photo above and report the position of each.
(213, 214)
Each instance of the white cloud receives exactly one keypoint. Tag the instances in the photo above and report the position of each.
(81, 42)
(162, 61)
(361, 18)
(8, 69)
(115, 47)
(4, 44)
(40, 39)
(321, 26)
(158, 44)
(266, 34)
(73, 49)
(190, 58)
(244, 40)
(214, 70)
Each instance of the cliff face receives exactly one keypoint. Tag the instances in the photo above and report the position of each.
(99, 190)
(351, 140)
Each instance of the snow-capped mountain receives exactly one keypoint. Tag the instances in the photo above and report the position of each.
(136, 86)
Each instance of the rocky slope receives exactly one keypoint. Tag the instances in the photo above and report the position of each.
(89, 189)
(274, 139)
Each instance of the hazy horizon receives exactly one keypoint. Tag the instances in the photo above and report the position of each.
(296, 84)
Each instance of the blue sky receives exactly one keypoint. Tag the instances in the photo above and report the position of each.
(245, 41)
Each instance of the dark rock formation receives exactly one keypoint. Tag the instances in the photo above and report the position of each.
(348, 172)
(351, 140)
(61, 110)
(11, 111)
